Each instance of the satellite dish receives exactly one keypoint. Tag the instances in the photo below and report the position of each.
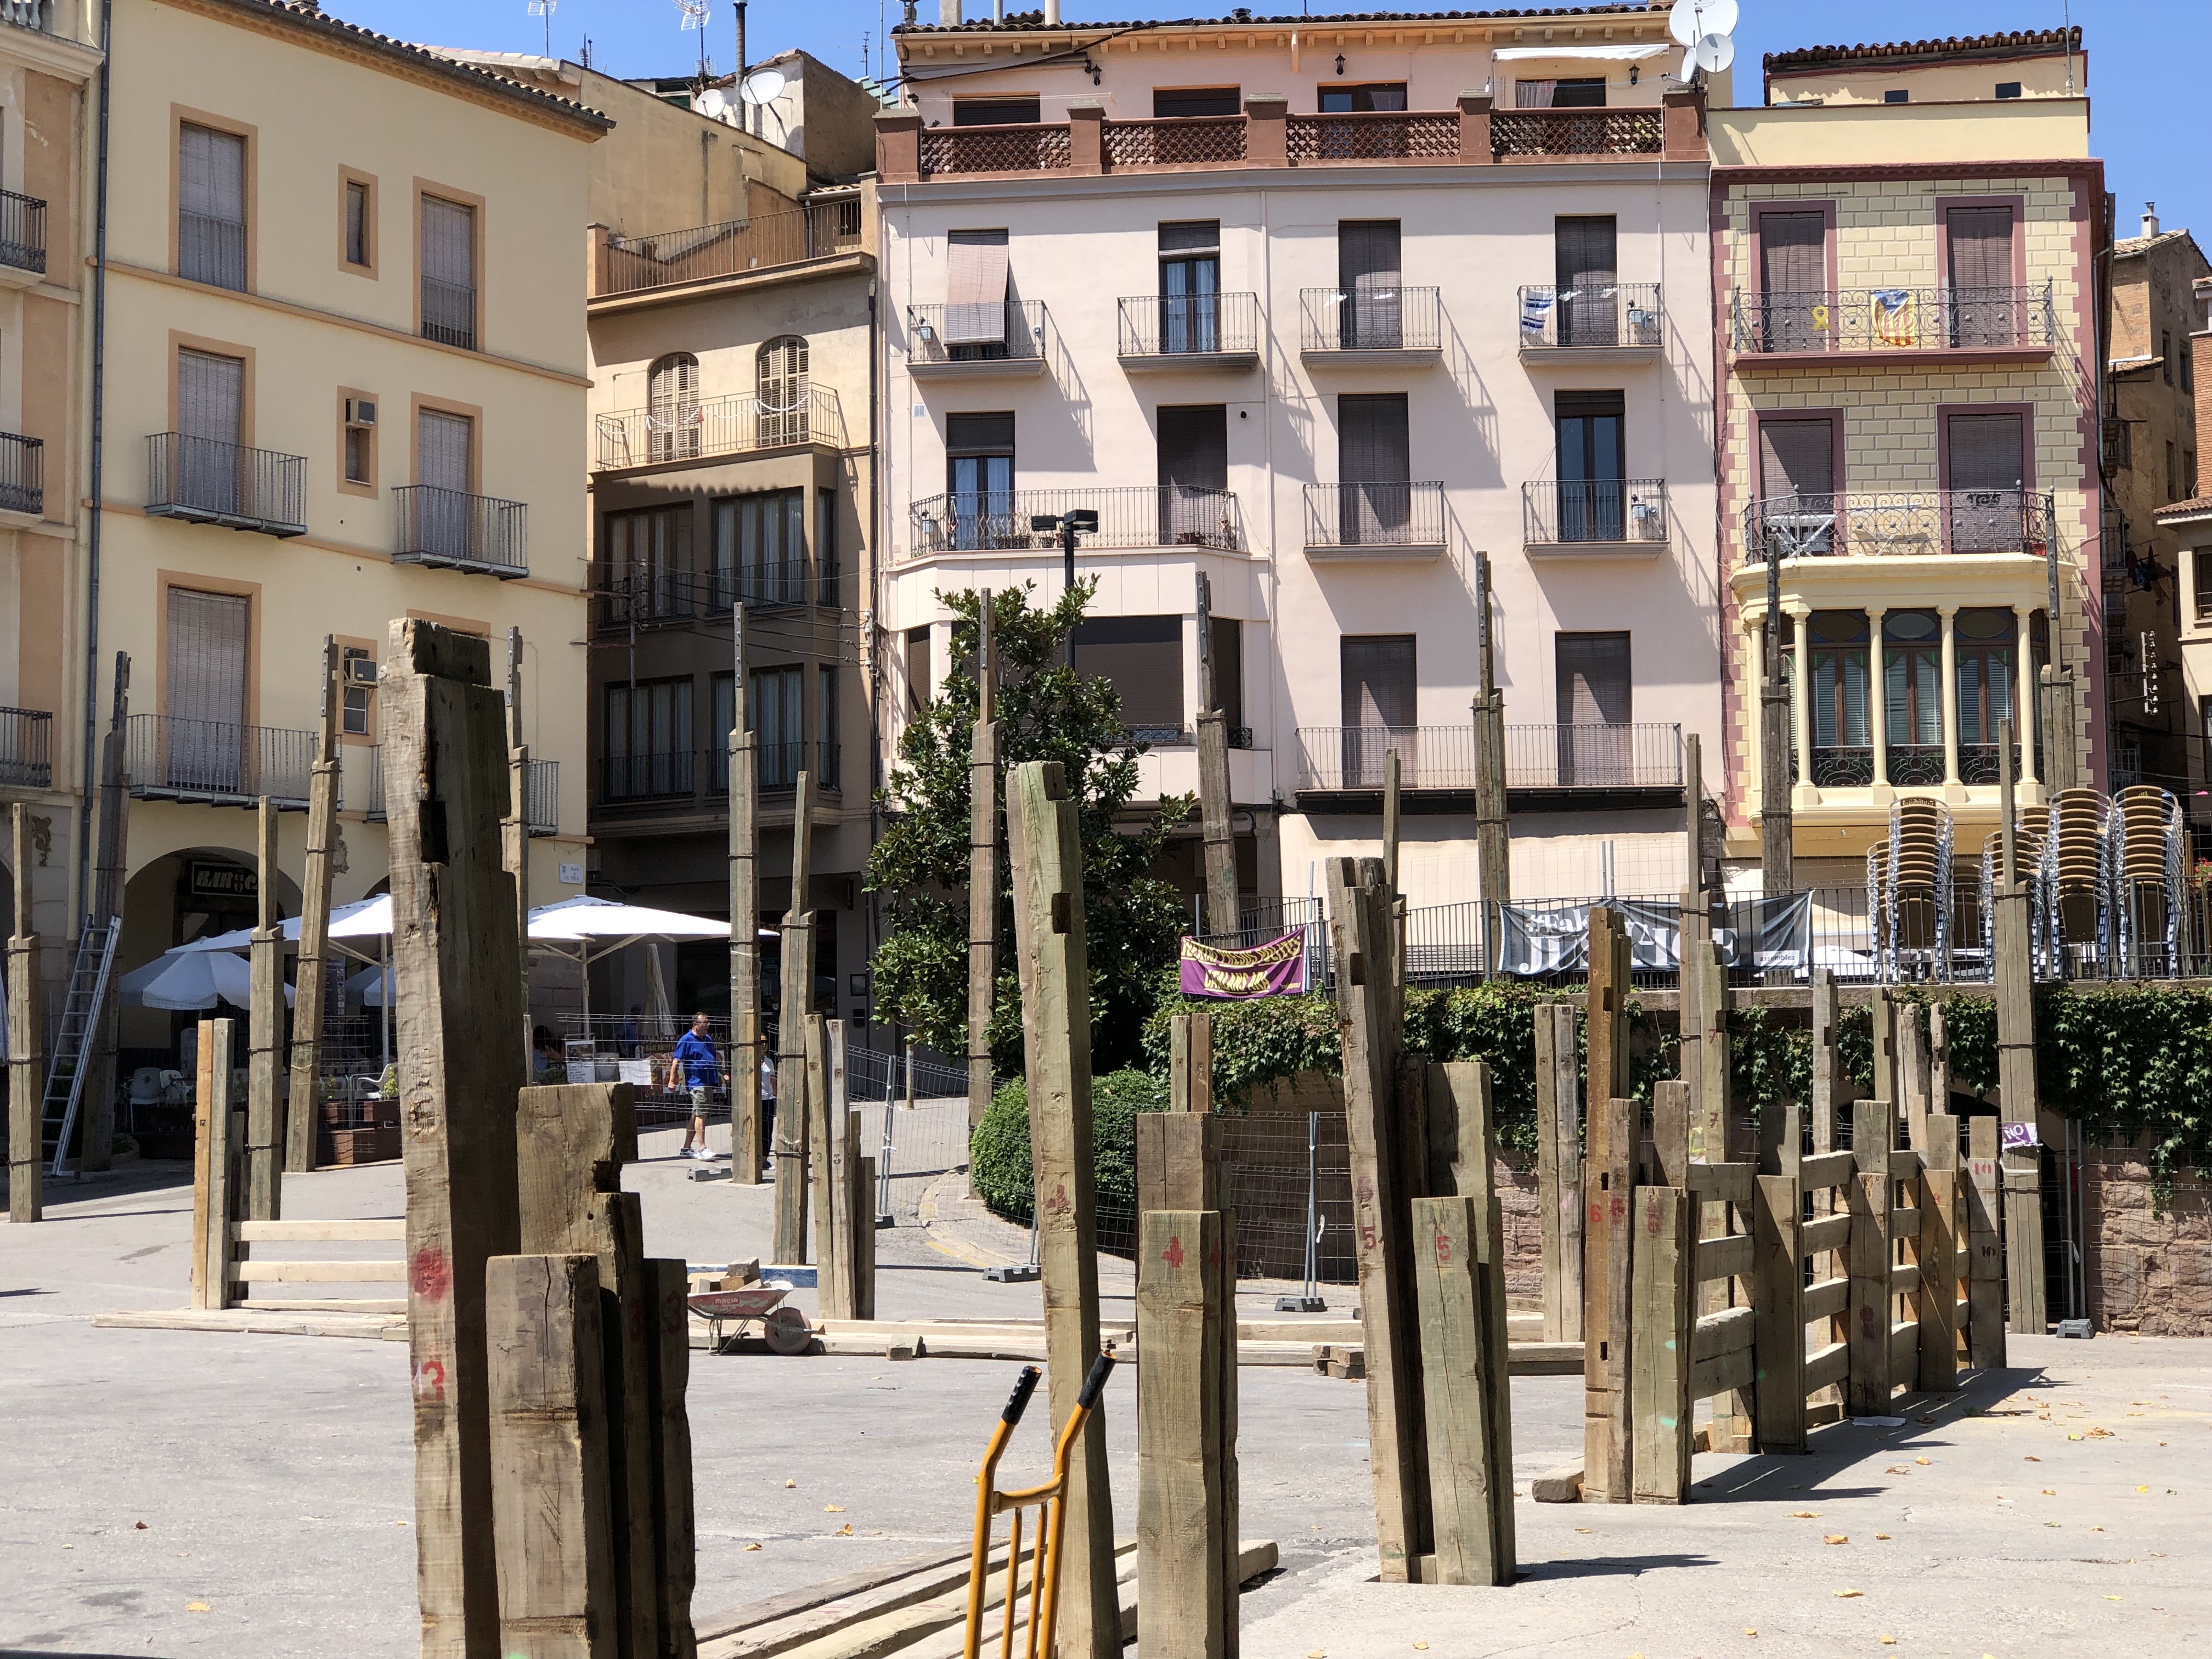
(1691, 21)
(1713, 53)
(1689, 69)
(763, 87)
(713, 104)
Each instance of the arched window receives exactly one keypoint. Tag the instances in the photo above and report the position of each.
(783, 393)
(672, 407)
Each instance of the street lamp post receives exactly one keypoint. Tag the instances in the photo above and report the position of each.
(1067, 526)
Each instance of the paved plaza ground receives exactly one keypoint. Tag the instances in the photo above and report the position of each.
(2059, 1509)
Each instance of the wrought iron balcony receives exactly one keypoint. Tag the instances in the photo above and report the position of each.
(1960, 319)
(781, 762)
(640, 596)
(22, 232)
(203, 481)
(1907, 524)
(1375, 517)
(1015, 345)
(215, 764)
(1190, 331)
(1396, 324)
(452, 530)
(734, 425)
(1843, 766)
(654, 777)
(1611, 316)
(1128, 516)
(22, 474)
(1594, 758)
(1632, 764)
(27, 753)
(1593, 513)
(735, 248)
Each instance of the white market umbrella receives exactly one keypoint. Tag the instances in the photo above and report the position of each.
(585, 929)
(188, 979)
(352, 929)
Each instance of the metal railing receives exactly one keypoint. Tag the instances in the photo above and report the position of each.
(729, 425)
(647, 777)
(449, 313)
(1904, 524)
(22, 474)
(1895, 319)
(218, 763)
(1182, 141)
(1128, 516)
(1374, 514)
(1370, 319)
(641, 596)
(664, 258)
(541, 790)
(27, 755)
(1542, 132)
(208, 482)
(1032, 147)
(22, 231)
(452, 530)
(780, 763)
(211, 251)
(1373, 136)
(1641, 756)
(1555, 511)
(1189, 325)
(1022, 340)
(1612, 315)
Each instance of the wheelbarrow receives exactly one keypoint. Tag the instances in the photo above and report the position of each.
(727, 1313)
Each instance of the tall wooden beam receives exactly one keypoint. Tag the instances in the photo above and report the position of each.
(1215, 810)
(983, 867)
(310, 981)
(1055, 977)
(456, 960)
(1492, 844)
(1190, 1069)
(96, 1143)
(1559, 1170)
(1661, 1302)
(26, 1045)
(1937, 1250)
(822, 1170)
(515, 835)
(1186, 1325)
(1469, 1442)
(1608, 1170)
(794, 1111)
(2027, 1307)
(746, 1147)
(1985, 1286)
(1874, 1133)
(264, 1149)
(215, 1204)
(1778, 1332)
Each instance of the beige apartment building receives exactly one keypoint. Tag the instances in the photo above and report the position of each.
(1909, 299)
(2189, 522)
(346, 383)
(1322, 310)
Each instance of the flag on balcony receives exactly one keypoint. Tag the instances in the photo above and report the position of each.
(1896, 317)
(1276, 968)
(1535, 307)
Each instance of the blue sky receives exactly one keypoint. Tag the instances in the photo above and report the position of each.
(2144, 56)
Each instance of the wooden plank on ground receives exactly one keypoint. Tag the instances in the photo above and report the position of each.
(1559, 1169)
(1469, 1445)
(1779, 1394)
(1660, 1355)
(385, 1230)
(1181, 1330)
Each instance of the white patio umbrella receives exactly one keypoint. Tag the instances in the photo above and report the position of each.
(585, 929)
(188, 979)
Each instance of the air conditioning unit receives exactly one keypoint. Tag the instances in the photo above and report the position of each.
(361, 411)
(361, 670)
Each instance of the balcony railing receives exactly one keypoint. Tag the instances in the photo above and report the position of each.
(207, 482)
(1174, 326)
(1186, 141)
(1537, 133)
(647, 777)
(664, 259)
(1904, 525)
(1032, 148)
(1843, 766)
(27, 753)
(1128, 516)
(542, 790)
(1374, 516)
(1613, 314)
(1370, 319)
(217, 763)
(449, 313)
(22, 231)
(1391, 136)
(715, 426)
(452, 530)
(22, 474)
(1020, 344)
(1896, 319)
(637, 595)
(1558, 511)
(1543, 759)
(211, 251)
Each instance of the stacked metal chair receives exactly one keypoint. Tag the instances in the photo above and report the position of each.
(2031, 849)
(2081, 876)
(1878, 908)
(2144, 840)
(1915, 911)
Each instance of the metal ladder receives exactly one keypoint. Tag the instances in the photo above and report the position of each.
(87, 993)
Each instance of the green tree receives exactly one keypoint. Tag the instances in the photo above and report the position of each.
(1045, 712)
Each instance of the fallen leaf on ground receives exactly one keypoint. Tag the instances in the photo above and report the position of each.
(1845, 1596)
(1322, 1653)
(2111, 1598)
(2030, 1460)
(1882, 1536)
(1804, 1515)
(141, 1526)
(1420, 1646)
(196, 1607)
(1899, 1469)
(1924, 1459)
(791, 1483)
(2050, 1523)
(1586, 1529)
(752, 1546)
(845, 1531)
(1889, 1641)
(1748, 1631)
(2138, 1488)
(2048, 1492)
(1836, 1538)
(833, 1508)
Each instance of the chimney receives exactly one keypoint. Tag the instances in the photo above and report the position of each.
(1052, 13)
(948, 13)
(2150, 219)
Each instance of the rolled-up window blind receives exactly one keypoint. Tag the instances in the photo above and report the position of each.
(975, 288)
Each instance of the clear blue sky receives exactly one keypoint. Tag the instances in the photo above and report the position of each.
(2146, 55)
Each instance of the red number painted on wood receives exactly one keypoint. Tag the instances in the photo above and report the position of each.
(430, 1382)
(1444, 1247)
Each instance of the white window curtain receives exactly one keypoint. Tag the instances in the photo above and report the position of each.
(1532, 94)
(975, 288)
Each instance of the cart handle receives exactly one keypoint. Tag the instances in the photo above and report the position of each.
(1095, 1385)
(1018, 1401)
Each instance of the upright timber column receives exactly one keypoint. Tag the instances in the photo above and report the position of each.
(1055, 972)
(2016, 1094)
(304, 1104)
(96, 1140)
(25, 1049)
(1610, 1137)
(795, 1104)
(1213, 796)
(457, 961)
(982, 871)
(514, 834)
(264, 1037)
(1493, 856)
(745, 1148)
(1776, 860)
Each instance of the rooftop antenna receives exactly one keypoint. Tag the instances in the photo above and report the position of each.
(693, 14)
(2066, 14)
(544, 9)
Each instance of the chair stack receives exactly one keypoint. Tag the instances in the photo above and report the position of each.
(2081, 874)
(2032, 848)
(1878, 908)
(1917, 912)
(2144, 838)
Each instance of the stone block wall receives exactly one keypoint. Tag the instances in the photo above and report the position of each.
(2149, 1263)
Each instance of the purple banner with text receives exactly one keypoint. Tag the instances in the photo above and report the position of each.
(1276, 968)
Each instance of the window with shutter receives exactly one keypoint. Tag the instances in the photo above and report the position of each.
(781, 379)
(440, 503)
(212, 206)
(1142, 657)
(1796, 310)
(978, 479)
(649, 739)
(1586, 266)
(1592, 702)
(1912, 696)
(1842, 732)
(975, 291)
(1797, 506)
(1592, 465)
(1190, 286)
(672, 408)
(1371, 305)
(1194, 472)
(1983, 307)
(761, 537)
(449, 272)
(357, 224)
(1374, 462)
(206, 465)
(204, 689)
(779, 716)
(1984, 471)
(1380, 691)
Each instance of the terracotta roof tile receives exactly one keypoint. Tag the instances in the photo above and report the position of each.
(2020, 42)
(1033, 22)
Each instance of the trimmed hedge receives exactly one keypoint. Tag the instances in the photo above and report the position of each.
(998, 1153)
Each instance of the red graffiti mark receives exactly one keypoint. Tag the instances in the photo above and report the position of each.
(1444, 1247)
(1866, 1319)
(431, 1277)
(1058, 1201)
(1620, 1209)
(1213, 1256)
(1366, 1190)
(1651, 1215)
(430, 1382)
(633, 1321)
(1173, 1254)
(1597, 1211)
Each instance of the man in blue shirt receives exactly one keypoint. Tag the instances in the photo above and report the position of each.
(701, 1071)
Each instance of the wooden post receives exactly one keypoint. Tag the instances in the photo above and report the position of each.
(982, 869)
(1186, 1320)
(1659, 1385)
(1882, 1010)
(1608, 1170)
(1779, 1334)
(822, 1172)
(1055, 978)
(1470, 1448)
(1671, 1134)
(1776, 815)
(96, 1139)
(794, 1108)
(310, 979)
(1390, 827)
(1214, 800)
(1178, 1161)
(1190, 1064)
(459, 982)
(746, 1141)
(514, 834)
(1362, 939)
(26, 1047)
(862, 1237)
(1985, 1327)
(1939, 1060)
(675, 1530)
(1912, 1075)
(1824, 1061)
(2016, 1094)
(552, 1518)
(215, 1204)
(265, 1042)
(847, 1216)
(1492, 844)
(1873, 1131)
(1936, 1301)
(1605, 1060)
(1559, 1170)
(2060, 709)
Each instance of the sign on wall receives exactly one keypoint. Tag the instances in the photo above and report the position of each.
(1274, 969)
(230, 881)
